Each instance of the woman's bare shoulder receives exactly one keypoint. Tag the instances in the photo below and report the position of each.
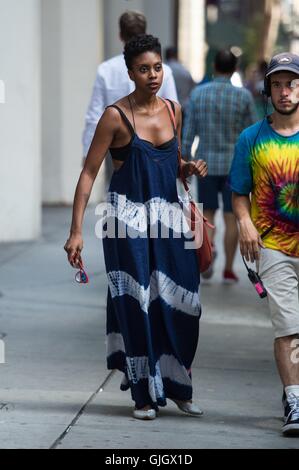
(123, 103)
(177, 107)
(110, 118)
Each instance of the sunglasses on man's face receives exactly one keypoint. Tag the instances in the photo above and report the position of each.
(81, 276)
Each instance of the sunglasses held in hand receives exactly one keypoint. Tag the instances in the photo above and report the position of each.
(81, 276)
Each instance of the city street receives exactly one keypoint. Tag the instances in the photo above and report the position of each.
(54, 335)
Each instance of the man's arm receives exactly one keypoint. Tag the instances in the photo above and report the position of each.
(241, 183)
(250, 240)
(94, 112)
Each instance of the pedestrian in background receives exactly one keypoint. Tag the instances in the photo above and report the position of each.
(256, 86)
(265, 181)
(153, 304)
(113, 82)
(182, 77)
(217, 113)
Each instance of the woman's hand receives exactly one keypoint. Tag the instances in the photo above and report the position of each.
(196, 167)
(73, 247)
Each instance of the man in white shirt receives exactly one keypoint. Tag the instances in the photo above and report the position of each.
(113, 82)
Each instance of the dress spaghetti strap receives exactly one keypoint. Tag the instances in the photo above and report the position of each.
(171, 119)
(124, 117)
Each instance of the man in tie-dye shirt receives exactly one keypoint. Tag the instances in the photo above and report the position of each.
(264, 178)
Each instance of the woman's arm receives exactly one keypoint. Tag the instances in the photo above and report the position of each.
(104, 135)
(250, 240)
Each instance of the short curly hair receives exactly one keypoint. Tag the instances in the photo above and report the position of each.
(140, 44)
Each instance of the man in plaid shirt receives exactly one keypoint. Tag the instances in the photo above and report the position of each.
(217, 113)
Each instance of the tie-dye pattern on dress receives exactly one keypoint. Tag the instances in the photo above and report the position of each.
(153, 304)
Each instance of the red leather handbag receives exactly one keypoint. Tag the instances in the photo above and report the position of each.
(198, 223)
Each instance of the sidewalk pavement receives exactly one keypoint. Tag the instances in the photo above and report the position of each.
(54, 335)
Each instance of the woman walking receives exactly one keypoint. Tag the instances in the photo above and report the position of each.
(153, 305)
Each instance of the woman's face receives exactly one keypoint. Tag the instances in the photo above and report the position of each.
(147, 72)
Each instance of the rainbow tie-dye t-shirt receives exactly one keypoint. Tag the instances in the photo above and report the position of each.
(266, 164)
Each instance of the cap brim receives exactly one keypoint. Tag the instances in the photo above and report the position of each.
(284, 68)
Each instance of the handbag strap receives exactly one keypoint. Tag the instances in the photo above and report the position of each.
(183, 178)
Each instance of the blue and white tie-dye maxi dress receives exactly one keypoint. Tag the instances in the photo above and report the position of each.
(153, 304)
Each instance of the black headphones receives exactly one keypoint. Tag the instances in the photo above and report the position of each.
(267, 88)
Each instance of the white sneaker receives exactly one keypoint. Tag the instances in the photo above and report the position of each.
(291, 426)
(144, 414)
(188, 407)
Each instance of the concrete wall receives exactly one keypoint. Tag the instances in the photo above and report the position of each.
(20, 213)
(71, 46)
(191, 36)
(161, 20)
